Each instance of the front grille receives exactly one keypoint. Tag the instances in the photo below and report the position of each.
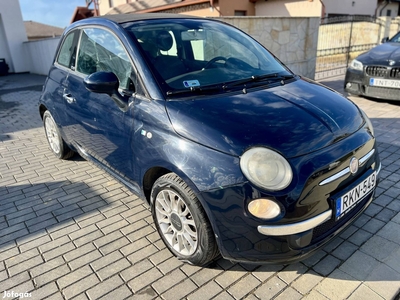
(327, 228)
(376, 71)
(395, 73)
(382, 92)
(383, 72)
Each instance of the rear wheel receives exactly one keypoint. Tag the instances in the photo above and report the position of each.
(181, 221)
(57, 144)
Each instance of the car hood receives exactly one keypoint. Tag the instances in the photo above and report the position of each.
(382, 54)
(294, 119)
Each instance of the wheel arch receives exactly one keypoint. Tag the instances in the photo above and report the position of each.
(152, 174)
(42, 110)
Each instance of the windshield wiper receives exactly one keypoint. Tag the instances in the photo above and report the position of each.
(226, 86)
(196, 89)
(257, 78)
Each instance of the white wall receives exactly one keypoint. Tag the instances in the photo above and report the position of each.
(360, 7)
(394, 7)
(41, 54)
(289, 8)
(12, 36)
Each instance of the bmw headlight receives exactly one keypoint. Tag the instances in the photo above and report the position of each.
(356, 65)
(266, 169)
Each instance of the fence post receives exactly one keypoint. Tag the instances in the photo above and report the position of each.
(385, 28)
(349, 47)
(396, 21)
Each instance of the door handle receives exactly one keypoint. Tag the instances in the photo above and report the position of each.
(69, 98)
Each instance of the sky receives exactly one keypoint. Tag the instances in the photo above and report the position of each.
(50, 12)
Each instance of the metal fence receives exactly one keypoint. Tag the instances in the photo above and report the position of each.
(343, 38)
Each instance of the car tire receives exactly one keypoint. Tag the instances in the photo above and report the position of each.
(181, 221)
(53, 135)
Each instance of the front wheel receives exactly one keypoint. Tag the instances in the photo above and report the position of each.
(57, 144)
(181, 221)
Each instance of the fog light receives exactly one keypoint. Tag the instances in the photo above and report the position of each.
(348, 85)
(264, 208)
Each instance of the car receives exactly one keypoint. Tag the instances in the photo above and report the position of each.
(376, 73)
(236, 155)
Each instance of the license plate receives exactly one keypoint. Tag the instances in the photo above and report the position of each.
(349, 200)
(395, 84)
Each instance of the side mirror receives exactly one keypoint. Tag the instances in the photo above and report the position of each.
(106, 83)
(384, 40)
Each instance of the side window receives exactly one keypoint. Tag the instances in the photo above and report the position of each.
(67, 54)
(100, 50)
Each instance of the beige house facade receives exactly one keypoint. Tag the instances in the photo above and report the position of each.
(204, 8)
(317, 8)
(282, 8)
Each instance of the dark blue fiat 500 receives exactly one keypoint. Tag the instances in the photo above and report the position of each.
(234, 153)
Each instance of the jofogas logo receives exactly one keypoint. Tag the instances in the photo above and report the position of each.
(12, 294)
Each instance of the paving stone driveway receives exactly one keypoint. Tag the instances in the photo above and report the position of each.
(68, 230)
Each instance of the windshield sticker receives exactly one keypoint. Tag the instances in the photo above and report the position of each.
(190, 83)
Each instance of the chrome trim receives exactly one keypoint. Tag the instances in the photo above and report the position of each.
(379, 169)
(366, 157)
(345, 171)
(336, 176)
(278, 230)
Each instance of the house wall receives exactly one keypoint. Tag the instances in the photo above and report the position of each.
(41, 54)
(104, 5)
(228, 7)
(286, 8)
(293, 40)
(205, 12)
(12, 36)
(346, 7)
(393, 7)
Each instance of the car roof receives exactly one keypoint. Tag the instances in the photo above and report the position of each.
(123, 18)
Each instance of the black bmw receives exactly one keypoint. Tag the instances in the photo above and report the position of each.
(376, 73)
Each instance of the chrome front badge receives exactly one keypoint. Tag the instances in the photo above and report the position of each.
(354, 165)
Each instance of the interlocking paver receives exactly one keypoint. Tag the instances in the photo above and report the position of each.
(67, 225)
(244, 286)
(270, 288)
(338, 285)
(169, 280)
(384, 281)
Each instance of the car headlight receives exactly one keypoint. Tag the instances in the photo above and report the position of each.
(266, 169)
(356, 65)
(368, 122)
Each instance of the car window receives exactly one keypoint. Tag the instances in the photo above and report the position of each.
(186, 54)
(218, 44)
(100, 50)
(396, 38)
(67, 54)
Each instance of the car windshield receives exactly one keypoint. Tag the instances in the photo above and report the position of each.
(189, 55)
(396, 38)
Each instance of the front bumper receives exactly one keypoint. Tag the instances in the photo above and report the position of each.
(309, 221)
(358, 83)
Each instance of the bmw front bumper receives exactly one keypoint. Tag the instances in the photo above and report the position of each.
(358, 82)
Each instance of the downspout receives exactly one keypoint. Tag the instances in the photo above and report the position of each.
(213, 7)
(323, 9)
(387, 3)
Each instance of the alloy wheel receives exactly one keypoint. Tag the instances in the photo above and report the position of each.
(176, 222)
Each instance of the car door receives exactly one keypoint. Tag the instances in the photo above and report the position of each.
(101, 130)
(57, 79)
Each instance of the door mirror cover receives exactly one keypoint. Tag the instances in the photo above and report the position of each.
(102, 83)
